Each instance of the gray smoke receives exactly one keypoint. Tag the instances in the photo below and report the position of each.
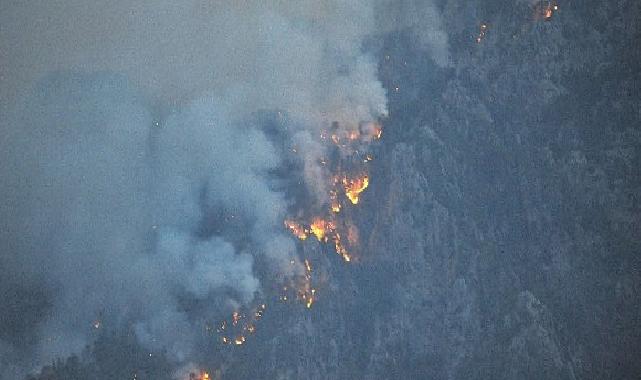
(133, 174)
(304, 57)
(105, 211)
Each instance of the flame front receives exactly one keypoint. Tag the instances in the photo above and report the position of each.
(319, 229)
(351, 145)
(354, 187)
(297, 229)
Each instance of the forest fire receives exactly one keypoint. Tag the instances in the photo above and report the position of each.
(241, 326)
(235, 318)
(204, 375)
(482, 32)
(371, 131)
(307, 293)
(344, 171)
(326, 231)
(378, 132)
(546, 10)
(300, 288)
(297, 229)
(319, 228)
(335, 204)
(330, 228)
(308, 266)
(365, 133)
(354, 187)
(340, 248)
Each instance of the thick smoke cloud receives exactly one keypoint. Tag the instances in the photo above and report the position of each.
(134, 175)
(304, 57)
(107, 217)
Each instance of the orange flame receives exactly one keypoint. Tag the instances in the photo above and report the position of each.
(335, 205)
(370, 131)
(306, 292)
(297, 229)
(319, 229)
(308, 266)
(354, 187)
(378, 132)
(310, 299)
(546, 12)
(300, 288)
(327, 228)
(240, 326)
(340, 248)
(239, 340)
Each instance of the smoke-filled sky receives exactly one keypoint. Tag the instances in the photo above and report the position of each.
(135, 173)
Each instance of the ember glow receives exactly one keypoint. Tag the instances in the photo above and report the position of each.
(346, 139)
(371, 131)
(240, 326)
(335, 204)
(307, 293)
(297, 229)
(299, 288)
(378, 132)
(546, 10)
(482, 32)
(202, 376)
(340, 248)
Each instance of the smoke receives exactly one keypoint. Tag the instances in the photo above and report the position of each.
(108, 217)
(303, 57)
(134, 175)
